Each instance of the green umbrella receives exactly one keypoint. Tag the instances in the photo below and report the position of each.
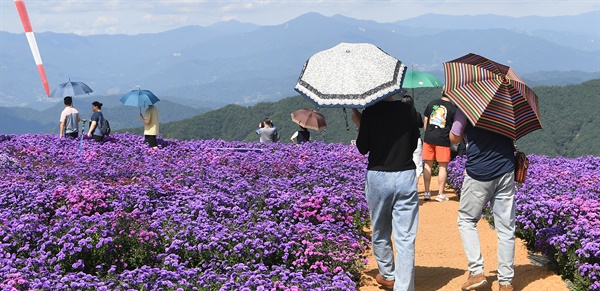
(415, 79)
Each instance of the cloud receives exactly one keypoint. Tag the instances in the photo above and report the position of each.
(146, 16)
(170, 20)
(103, 21)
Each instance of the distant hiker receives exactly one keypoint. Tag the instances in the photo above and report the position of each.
(267, 132)
(96, 121)
(300, 136)
(69, 119)
(151, 125)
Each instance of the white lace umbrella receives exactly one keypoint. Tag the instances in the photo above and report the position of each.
(352, 75)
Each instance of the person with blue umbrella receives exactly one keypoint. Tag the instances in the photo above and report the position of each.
(139, 98)
(151, 125)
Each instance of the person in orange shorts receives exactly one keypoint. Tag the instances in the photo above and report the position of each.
(438, 118)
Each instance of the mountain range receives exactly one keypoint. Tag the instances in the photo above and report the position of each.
(241, 63)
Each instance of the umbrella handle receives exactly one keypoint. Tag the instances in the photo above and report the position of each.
(346, 119)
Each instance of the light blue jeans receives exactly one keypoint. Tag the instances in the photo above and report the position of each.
(474, 196)
(394, 207)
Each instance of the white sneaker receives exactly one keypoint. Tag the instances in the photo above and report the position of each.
(427, 196)
(441, 198)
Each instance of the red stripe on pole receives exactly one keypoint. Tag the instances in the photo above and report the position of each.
(23, 14)
(42, 72)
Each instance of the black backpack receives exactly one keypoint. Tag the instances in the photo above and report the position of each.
(104, 126)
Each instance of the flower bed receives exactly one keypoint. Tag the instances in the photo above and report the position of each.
(193, 215)
(558, 214)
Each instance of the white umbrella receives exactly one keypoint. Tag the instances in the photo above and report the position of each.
(353, 75)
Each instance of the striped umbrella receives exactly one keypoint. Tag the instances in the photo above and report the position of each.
(492, 96)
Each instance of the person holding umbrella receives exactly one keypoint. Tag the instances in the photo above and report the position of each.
(388, 132)
(300, 136)
(489, 177)
(151, 125)
(95, 122)
(139, 98)
(69, 119)
(483, 91)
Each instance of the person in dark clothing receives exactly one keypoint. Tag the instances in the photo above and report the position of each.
(489, 178)
(300, 136)
(438, 118)
(388, 132)
(96, 121)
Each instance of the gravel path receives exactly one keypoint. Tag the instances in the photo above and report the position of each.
(440, 259)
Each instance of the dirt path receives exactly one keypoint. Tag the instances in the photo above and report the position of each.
(440, 259)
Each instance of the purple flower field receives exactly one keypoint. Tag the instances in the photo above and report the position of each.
(193, 215)
(558, 214)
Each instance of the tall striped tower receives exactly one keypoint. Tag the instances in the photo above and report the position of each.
(32, 43)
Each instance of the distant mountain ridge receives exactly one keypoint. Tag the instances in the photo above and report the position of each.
(240, 63)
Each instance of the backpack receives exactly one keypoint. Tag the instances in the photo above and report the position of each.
(104, 126)
(275, 136)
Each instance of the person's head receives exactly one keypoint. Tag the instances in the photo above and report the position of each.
(96, 106)
(408, 100)
(68, 100)
(268, 122)
(302, 128)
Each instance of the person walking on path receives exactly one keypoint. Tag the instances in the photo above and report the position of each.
(388, 132)
(489, 177)
(300, 136)
(69, 119)
(151, 124)
(96, 121)
(438, 117)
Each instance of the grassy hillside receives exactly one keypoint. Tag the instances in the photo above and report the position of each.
(568, 118)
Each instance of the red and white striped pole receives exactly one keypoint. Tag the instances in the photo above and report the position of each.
(32, 43)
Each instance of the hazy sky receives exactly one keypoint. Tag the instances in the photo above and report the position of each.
(86, 17)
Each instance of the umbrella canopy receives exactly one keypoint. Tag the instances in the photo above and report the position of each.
(139, 98)
(353, 75)
(416, 79)
(492, 96)
(70, 89)
(308, 118)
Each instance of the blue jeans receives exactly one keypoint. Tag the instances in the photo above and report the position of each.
(394, 207)
(474, 196)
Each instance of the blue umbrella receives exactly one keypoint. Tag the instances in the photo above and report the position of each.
(139, 98)
(70, 89)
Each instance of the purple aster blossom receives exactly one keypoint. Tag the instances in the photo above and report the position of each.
(194, 215)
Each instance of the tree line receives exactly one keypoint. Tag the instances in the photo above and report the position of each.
(568, 113)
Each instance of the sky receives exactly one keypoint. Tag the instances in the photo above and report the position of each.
(88, 17)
